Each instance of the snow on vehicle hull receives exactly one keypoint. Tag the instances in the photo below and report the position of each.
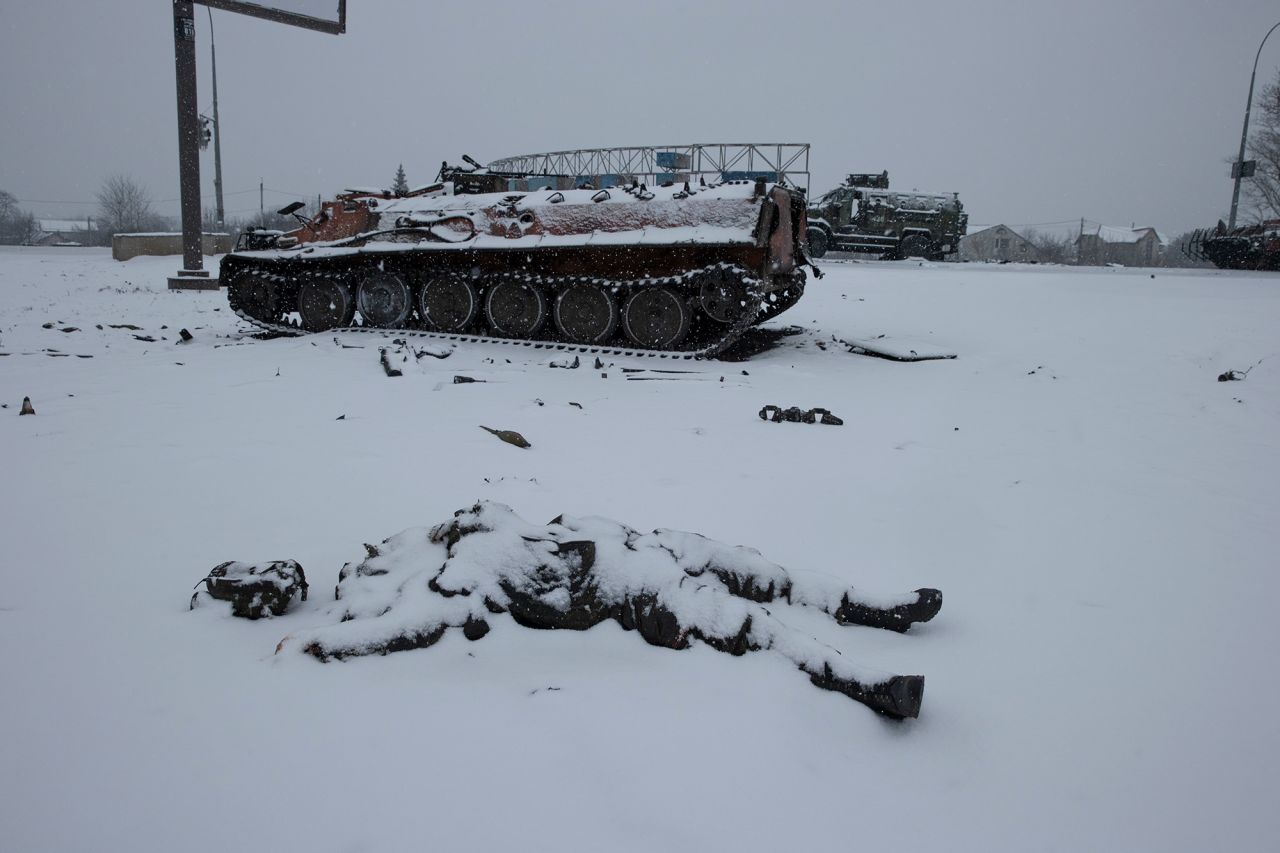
(676, 270)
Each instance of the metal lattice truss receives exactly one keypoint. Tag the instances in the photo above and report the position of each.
(783, 162)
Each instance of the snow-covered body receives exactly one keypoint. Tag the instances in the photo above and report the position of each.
(672, 587)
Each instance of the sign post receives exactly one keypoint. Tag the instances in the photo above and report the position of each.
(328, 16)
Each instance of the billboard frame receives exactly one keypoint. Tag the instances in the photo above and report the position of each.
(296, 19)
(193, 275)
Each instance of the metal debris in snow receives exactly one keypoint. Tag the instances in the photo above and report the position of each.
(509, 436)
(795, 414)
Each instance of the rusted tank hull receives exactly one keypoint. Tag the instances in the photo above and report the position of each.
(654, 271)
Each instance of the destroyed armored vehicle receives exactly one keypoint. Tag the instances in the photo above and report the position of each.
(866, 216)
(680, 268)
(1249, 247)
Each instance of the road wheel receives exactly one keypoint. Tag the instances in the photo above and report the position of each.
(384, 299)
(448, 303)
(656, 318)
(586, 314)
(324, 304)
(255, 295)
(723, 294)
(916, 246)
(818, 242)
(515, 308)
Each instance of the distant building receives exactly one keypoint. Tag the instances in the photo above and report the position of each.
(997, 243)
(62, 232)
(1108, 244)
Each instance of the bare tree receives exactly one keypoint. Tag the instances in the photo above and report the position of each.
(1050, 248)
(124, 205)
(16, 224)
(1263, 189)
(8, 205)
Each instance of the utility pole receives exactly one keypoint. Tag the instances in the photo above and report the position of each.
(1238, 168)
(217, 126)
(262, 207)
(193, 275)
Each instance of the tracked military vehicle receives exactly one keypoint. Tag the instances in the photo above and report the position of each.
(1248, 247)
(678, 270)
(865, 216)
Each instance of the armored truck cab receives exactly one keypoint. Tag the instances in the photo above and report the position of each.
(866, 216)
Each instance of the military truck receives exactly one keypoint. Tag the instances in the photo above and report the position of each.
(864, 215)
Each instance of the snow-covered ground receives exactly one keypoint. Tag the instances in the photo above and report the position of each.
(1097, 508)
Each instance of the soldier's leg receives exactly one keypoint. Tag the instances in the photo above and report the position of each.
(850, 606)
(736, 626)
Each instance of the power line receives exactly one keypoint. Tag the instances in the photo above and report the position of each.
(153, 201)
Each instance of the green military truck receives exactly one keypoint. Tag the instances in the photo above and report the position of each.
(866, 216)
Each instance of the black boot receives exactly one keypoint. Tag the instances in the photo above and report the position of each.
(927, 604)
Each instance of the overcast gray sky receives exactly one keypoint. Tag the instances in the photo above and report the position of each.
(1035, 112)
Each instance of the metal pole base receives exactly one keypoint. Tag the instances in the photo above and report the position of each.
(193, 280)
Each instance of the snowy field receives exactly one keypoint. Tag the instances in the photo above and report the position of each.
(1099, 511)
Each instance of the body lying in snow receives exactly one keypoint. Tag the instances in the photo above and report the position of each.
(671, 587)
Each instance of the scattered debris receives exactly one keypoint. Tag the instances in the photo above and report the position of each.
(185, 335)
(535, 690)
(254, 589)
(565, 363)
(386, 364)
(27, 408)
(340, 418)
(463, 380)
(892, 352)
(1239, 375)
(144, 338)
(509, 436)
(46, 325)
(347, 346)
(756, 341)
(433, 351)
(599, 364)
(69, 329)
(795, 414)
(571, 403)
(128, 326)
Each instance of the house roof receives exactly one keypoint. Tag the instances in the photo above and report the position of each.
(1117, 234)
(53, 226)
(1007, 230)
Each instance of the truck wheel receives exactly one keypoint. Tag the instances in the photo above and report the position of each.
(915, 246)
(817, 242)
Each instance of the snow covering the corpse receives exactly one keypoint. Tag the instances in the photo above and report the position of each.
(673, 587)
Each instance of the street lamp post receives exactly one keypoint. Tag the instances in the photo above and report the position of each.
(217, 124)
(1238, 169)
